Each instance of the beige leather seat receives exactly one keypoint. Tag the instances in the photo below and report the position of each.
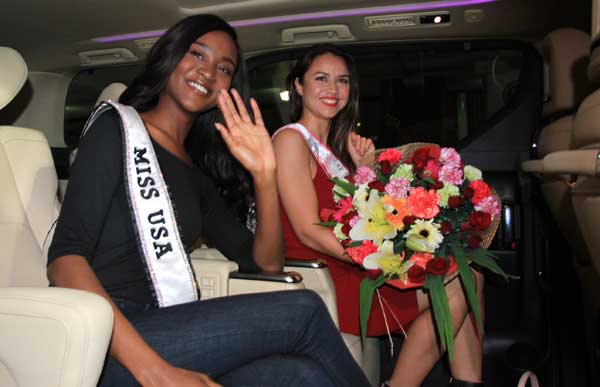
(566, 55)
(48, 336)
(569, 171)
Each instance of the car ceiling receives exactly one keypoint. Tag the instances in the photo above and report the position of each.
(50, 34)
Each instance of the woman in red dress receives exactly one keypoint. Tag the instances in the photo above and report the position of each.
(321, 144)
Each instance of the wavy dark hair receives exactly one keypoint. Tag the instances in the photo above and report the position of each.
(345, 121)
(204, 144)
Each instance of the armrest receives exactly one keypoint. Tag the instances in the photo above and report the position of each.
(585, 162)
(53, 336)
(212, 276)
(244, 283)
(316, 277)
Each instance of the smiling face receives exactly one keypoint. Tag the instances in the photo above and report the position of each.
(207, 67)
(325, 87)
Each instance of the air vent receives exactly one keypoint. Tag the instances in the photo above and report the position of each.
(107, 56)
(421, 19)
(145, 44)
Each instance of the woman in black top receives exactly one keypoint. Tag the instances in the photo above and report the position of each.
(282, 338)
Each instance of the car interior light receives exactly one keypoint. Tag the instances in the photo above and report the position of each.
(424, 6)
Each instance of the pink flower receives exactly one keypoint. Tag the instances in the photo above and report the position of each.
(450, 156)
(343, 207)
(423, 203)
(391, 155)
(491, 205)
(359, 253)
(397, 188)
(364, 175)
(353, 221)
(451, 174)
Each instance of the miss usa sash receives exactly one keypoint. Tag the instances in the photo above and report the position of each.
(167, 264)
(332, 166)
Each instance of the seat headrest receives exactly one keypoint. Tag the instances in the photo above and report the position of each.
(586, 129)
(112, 92)
(593, 70)
(566, 57)
(13, 74)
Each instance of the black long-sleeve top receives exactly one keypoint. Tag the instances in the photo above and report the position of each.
(95, 220)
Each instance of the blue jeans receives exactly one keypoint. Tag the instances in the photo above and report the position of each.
(267, 339)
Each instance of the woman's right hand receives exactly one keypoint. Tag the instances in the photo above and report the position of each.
(179, 377)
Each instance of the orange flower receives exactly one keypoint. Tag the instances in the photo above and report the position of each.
(423, 203)
(399, 211)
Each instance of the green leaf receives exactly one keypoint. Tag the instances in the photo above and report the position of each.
(346, 186)
(441, 312)
(354, 244)
(467, 280)
(325, 224)
(367, 288)
(486, 259)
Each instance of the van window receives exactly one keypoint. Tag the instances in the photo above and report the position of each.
(84, 89)
(427, 93)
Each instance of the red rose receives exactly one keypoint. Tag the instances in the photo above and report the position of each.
(326, 215)
(437, 266)
(434, 152)
(346, 229)
(455, 201)
(466, 226)
(416, 274)
(479, 220)
(420, 158)
(438, 185)
(409, 220)
(446, 228)
(468, 193)
(348, 217)
(474, 241)
(386, 167)
(373, 274)
(379, 186)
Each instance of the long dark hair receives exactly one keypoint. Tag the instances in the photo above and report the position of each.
(345, 121)
(204, 144)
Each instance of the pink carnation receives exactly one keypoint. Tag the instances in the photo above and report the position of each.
(364, 175)
(397, 188)
(390, 155)
(451, 174)
(422, 203)
(359, 253)
(450, 156)
(353, 221)
(491, 205)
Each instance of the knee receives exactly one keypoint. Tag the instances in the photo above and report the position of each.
(309, 299)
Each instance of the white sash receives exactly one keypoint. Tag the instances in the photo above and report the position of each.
(167, 263)
(332, 166)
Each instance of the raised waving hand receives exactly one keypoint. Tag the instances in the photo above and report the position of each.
(248, 141)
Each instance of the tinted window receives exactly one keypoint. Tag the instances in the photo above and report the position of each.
(416, 93)
(83, 92)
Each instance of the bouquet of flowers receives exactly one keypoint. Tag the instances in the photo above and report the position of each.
(418, 218)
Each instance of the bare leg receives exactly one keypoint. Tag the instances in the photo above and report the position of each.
(421, 351)
(468, 343)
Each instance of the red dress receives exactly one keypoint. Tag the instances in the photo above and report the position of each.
(347, 277)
